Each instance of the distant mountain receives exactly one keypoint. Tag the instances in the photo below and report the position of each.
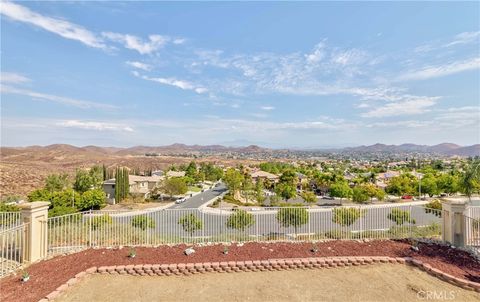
(441, 149)
(61, 150)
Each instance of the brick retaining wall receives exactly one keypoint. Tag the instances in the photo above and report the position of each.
(187, 269)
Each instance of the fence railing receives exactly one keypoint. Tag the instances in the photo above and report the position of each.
(472, 232)
(12, 246)
(10, 219)
(473, 211)
(170, 226)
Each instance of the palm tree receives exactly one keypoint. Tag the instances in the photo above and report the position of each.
(471, 178)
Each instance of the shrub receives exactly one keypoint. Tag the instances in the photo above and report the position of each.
(101, 221)
(190, 223)
(295, 217)
(434, 207)
(400, 217)
(61, 210)
(346, 216)
(92, 199)
(240, 220)
(143, 222)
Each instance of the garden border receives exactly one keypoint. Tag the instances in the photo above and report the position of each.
(187, 269)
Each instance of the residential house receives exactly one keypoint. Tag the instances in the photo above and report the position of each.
(141, 185)
(175, 173)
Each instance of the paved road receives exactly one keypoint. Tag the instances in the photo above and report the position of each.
(200, 199)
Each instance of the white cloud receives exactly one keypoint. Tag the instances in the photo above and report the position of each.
(89, 125)
(411, 105)
(317, 54)
(14, 78)
(268, 108)
(139, 65)
(441, 70)
(184, 85)
(179, 41)
(60, 27)
(154, 43)
(56, 99)
(465, 38)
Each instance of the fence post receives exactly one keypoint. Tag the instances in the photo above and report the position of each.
(90, 229)
(453, 224)
(35, 215)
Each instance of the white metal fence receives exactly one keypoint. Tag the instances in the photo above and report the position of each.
(12, 246)
(9, 220)
(169, 226)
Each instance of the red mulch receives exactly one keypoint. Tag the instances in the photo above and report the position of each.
(46, 276)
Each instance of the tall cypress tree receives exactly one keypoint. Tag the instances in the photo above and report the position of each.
(127, 183)
(117, 184)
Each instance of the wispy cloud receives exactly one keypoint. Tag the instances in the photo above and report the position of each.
(184, 85)
(139, 65)
(412, 105)
(93, 125)
(464, 38)
(268, 108)
(60, 27)
(13, 78)
(429, 72)
(56, 99)
(154, 43)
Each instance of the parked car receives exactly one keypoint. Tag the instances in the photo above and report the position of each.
(328, 197)
(180, 200)
(407, 197)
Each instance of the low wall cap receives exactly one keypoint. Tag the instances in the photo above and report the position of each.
(34, 205)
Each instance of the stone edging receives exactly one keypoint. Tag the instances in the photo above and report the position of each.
(254, 266)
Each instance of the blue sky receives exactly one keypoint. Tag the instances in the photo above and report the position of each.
(274, 74)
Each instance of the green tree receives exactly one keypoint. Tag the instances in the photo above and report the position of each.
(259, 194)
(400, 216)
(175, 186)
(65, 198)
(373, 191)
(190, 223)
(346, 216)
(402, 184)
(87, 180)
(143, 222)
(92, 199)
(247, 186)
(429, 185)
(288, 177)
(233, 179)
(295, 217)
(122, 184)
(191, 170)
(40, 195)
(240, 220)
(448, 183)
(309, 197)
(340, 189)
(286, 191)
(56, 182)
(359, 194)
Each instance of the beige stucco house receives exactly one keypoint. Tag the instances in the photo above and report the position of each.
(141, 185)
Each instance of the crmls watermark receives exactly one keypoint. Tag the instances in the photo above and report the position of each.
(436, 295)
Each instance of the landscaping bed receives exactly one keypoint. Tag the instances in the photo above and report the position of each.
(46, 276)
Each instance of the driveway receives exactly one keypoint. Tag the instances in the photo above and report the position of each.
(201, 198)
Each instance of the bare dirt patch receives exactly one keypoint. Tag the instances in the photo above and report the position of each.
(46, 276)
(381, 282)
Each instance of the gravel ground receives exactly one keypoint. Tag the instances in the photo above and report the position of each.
(382, 282)
(46, 276)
